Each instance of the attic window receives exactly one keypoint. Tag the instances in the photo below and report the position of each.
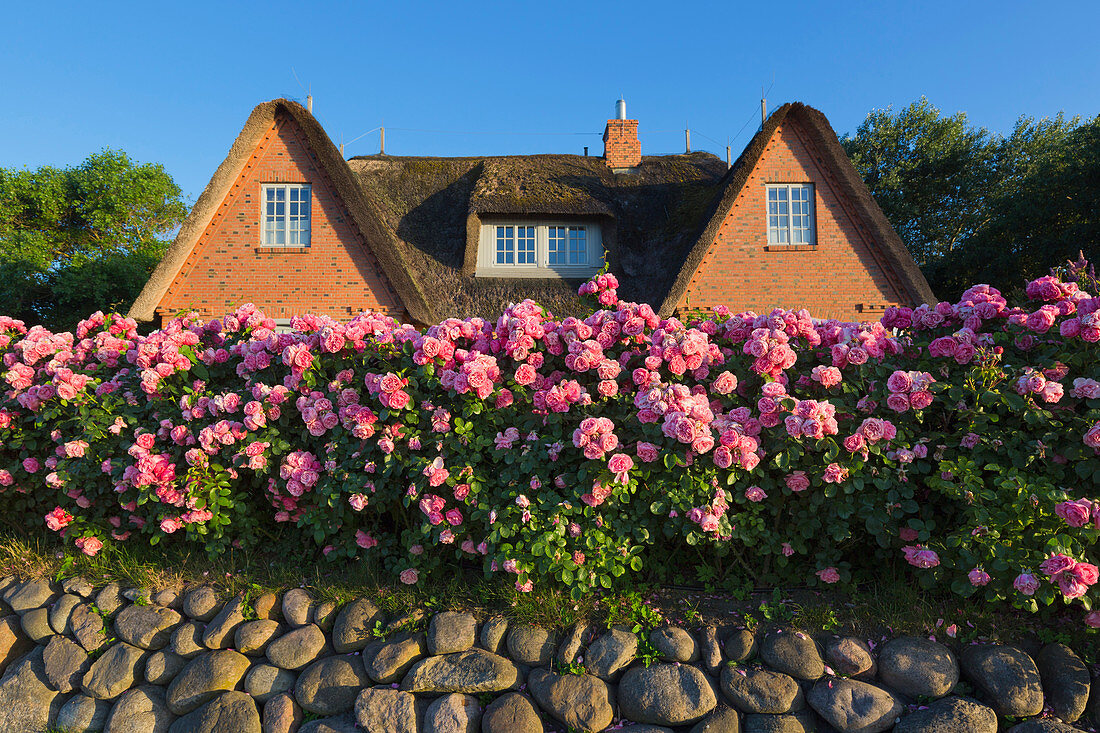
(790, 213)
(286, 214)
(539, 249)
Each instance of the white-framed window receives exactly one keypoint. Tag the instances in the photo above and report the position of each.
(539, 249)
(790, 213)
(286, 214)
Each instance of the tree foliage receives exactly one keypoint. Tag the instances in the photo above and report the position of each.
(972, 205)
(78, 239)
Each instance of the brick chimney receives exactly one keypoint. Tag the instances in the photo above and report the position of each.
(621, 148)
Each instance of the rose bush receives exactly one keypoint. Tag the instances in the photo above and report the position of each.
(961, 437)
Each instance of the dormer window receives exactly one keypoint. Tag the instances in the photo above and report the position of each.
(539, 249)
(286, 214)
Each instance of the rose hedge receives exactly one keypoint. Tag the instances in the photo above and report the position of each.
(777, 448)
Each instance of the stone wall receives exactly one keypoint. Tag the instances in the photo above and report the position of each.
(83, 659)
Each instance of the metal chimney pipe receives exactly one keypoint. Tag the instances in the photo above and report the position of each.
(687, 141)
(620, 109)
(309, 103)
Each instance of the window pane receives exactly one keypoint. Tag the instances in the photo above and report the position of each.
(506, 246)
(556, 247)
(525, 245)
(578, 246)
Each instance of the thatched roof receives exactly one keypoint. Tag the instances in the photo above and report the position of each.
(650, 218)
(421, 216)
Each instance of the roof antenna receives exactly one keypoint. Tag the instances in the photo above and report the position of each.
(764, 102)
(309, 92)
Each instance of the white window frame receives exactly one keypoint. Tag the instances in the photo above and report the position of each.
(780, 226)
(487, 265)
(304, 227)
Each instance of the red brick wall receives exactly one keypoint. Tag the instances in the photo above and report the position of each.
(621, 147)
(840, 278)
(335, 275)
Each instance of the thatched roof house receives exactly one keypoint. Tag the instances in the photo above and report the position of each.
(287, 223)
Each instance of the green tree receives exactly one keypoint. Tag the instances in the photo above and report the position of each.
(974, 206)
(79, 239)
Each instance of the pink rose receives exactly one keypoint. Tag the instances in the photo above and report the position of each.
(828, 575)
(755, 493)
(646, 452)
(31, 465)
(1085, 572)
(1092, 620)
(1070, 585)
(834, 474)
(854, 443)
(409, 576)
(899, 381)
(898, 402)
(725, 383)
(89, 545)
(908, 535)
(1076, 513)
(978, 577)
(797, 481)
(920, 556)
(58, 519)
(454, 517)
(364, 540)
(1056, 564)
(1026, 583)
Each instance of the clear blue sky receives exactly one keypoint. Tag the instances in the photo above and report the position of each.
(174, 83)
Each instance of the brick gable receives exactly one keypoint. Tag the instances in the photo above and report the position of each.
(843, 276)
(336, 275)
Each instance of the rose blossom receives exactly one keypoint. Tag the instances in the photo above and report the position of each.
(409, 576)
(978, 577)
(828, 575)
(1076, 513)
(364, 540)
(1056, 564)
(1093, 620)
(58, 519)
(797, 481)
(920, 556)
(755, 493)
(89, 545)
(1026, 583)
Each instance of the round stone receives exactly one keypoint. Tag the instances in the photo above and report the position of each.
(794, 653)
(141, 710)
(330, 686)
(230, 711)
(918, 667)
(114, 671)
(580, 701)
(205, 677)
(758, 690)
(297, 605)
(532, 645)
(252, 637)
(201, 604)
(161, 667)
(674, 644)
(511, 713)
(451, 632)
(851, 705)
(666, 694)
(146, 627)
(1007, 676)
(264, 682)
(354, 626)
(610, 654)
(298, 647)
(947, 715)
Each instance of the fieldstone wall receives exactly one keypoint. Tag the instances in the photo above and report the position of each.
(76, 658)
